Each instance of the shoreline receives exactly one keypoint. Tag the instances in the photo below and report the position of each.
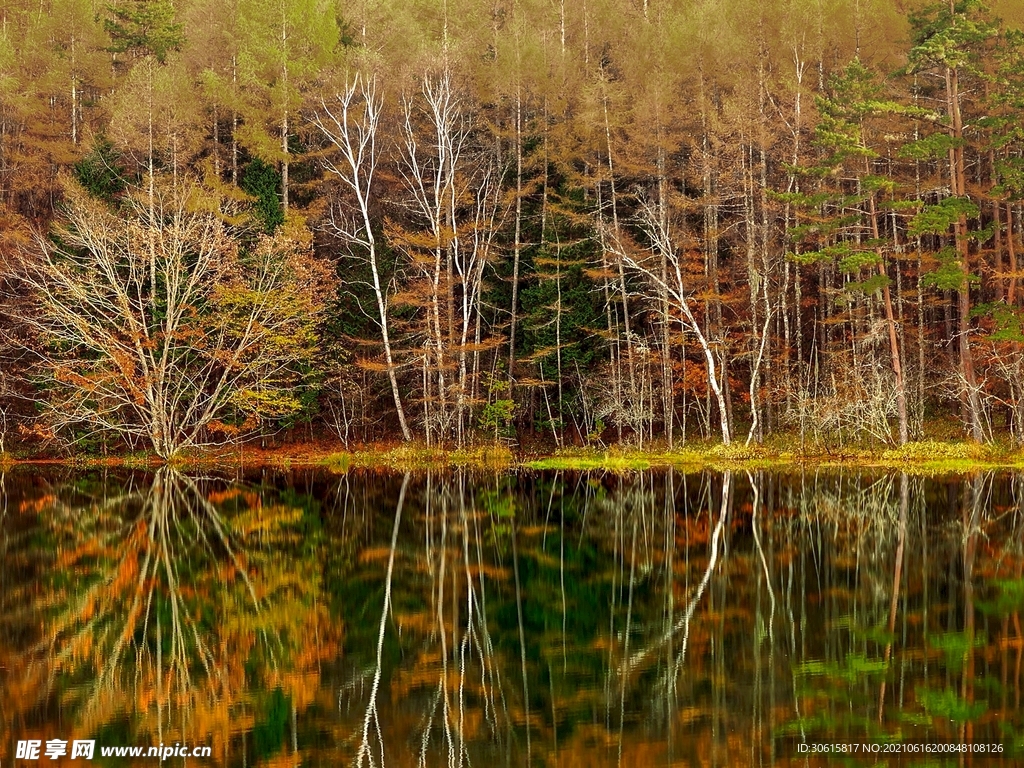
(927, 457)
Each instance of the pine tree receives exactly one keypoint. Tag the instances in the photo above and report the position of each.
(950, 39)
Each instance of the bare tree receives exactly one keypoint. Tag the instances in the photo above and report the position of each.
(647, 263)
(350, 122)
(372, 715)
(158, 329)
(455, 198)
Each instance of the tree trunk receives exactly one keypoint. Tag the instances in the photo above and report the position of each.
(517, 242)
(890, 320)
(284, 114)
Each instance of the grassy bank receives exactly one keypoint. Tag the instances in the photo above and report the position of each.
(929, 456)
(398, 457)
(926, 456)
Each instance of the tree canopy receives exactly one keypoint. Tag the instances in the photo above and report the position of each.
(556, 222)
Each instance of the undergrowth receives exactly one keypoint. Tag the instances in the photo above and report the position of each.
(925, 456)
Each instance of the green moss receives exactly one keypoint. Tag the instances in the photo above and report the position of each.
(617, 459)
(927, 457)
(924, 457)
(419, 457)
(338, 462)
(595, 461)
(933, 450)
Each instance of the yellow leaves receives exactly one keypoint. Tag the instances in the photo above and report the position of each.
(147, 308)
(145, 698)
(268, 404)
(36, 431)
(172, 569)
(422, 622)
(304, 280)
(15, 231)
(295, 232)
(423, 674)
(301, 687)
(411, 240)
(263, 519)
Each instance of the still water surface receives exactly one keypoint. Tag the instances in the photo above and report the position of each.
(545, 619)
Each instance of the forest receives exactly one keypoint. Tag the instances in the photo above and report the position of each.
(455, 222)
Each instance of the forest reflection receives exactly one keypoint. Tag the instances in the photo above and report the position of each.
(657, 618)
(166, 610)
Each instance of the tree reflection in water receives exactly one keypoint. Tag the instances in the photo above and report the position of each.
(653, 618)
(664, 618)
(442, 623)
(177, 610)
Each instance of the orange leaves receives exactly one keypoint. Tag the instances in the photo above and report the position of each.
(67, 374)
(162, 610)
(374, 554)
(91, 547)
(149, 309)
(371, 365)
(264, 520)
(216, 426)
(690, 378)
(45, 501)
(413, 241)
(590, 745)
(220, 497)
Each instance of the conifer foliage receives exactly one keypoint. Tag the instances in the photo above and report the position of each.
(518, 221)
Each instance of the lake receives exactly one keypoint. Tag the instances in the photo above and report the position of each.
(536, 618)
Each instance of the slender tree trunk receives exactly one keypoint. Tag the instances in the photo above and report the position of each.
(517, 242)
(677, 289)
(897, 580)
(356, 139)
(799, 67)
(561, 25)
(623, 294)
(1011, 250)
(160, 437)
(959, 188)
(234, 125)
(614, 365)
(754, 280)
(74, 95)
(890, 320)
(997, 227)
(284, 114)
(755, 424)
(667, 385)
(216, 143)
